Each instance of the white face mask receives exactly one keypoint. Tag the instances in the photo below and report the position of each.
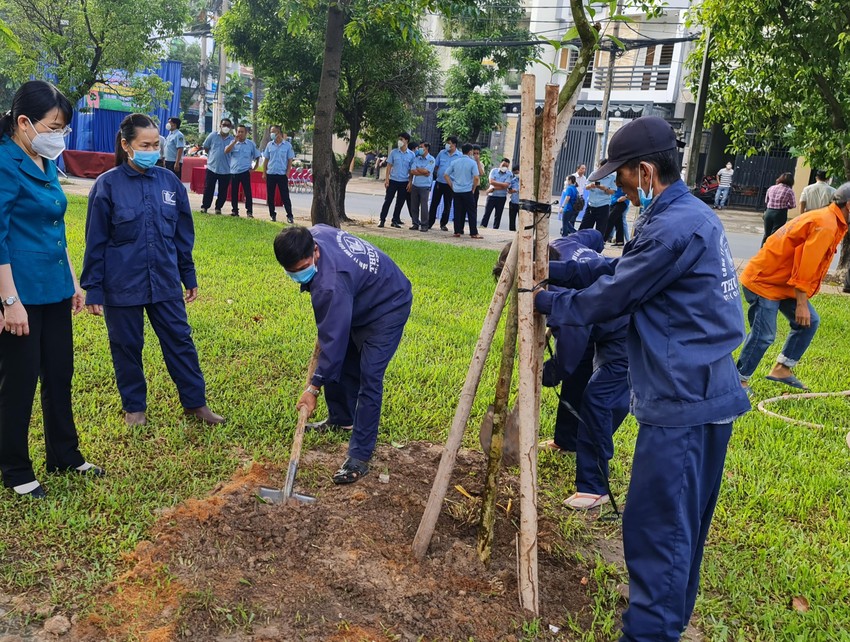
(47, 145)
(400, 143)
(169, 126)
(225, 129)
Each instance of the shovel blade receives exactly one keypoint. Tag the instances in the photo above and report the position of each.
(278, 496)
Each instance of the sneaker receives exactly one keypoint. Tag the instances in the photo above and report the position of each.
(326, 426)
(394, 224)
(414, 227)
(289, 219)
(250, 215)
(443, 228)
(204, 210)
(273, 217)
(381, 224)
(234, 213)
(424, 228)
(218, 211)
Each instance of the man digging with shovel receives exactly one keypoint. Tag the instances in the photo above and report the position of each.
(361, 302)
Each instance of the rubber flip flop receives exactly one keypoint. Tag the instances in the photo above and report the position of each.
(790, 380)
(585, 501)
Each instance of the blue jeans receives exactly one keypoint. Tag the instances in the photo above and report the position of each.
(722, 196)
(762, 317)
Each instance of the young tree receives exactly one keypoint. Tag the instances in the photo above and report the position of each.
(82, 42)
(236, 100)
(781, 69)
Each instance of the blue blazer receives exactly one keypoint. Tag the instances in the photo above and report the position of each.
(32, 227)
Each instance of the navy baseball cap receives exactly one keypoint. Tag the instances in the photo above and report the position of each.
(640, 137)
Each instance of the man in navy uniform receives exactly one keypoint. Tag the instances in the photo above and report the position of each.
(677, 280)
(361, 301)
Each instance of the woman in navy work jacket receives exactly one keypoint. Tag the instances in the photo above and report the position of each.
(38, 289)
(139, 238)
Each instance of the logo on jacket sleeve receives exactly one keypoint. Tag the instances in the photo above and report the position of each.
(169, 198)
(362, 253)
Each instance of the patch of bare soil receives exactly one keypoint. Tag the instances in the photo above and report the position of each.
(230, 567)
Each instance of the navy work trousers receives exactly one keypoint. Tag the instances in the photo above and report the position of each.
(126, 329)
(46, 353)
(278, 182)
(395, 190)
(497, 204)
(604, 405)
(572, 392)
(357, 397)
(676, 477)
(466, 208)
(210, 180)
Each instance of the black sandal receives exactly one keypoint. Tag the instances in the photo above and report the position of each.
(351, 470)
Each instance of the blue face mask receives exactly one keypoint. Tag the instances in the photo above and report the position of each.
(145, 160)
(303, 276)
(420, 151)
(448, 147)
(645, 199)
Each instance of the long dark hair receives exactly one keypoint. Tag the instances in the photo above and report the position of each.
(128, 131)
(787, 178)
(33, 100)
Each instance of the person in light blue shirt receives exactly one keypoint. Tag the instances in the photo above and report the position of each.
(442, 191)
(278, 156)
(175, 143)
(218, 166)
(568, 205)
(421, 177)
(243, 157)
(38, 291)
(463, 176)
(617, 218)
(398, 173)
(500, 181)
(513, 206)
(598, 202)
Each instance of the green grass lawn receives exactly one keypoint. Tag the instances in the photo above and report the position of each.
(782, 527)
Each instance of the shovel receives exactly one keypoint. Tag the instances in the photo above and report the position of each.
(280, 496)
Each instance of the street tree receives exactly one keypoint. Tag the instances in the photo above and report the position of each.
(78, 43)
(781, 71)
(383, 77)
(236, 100)
(473, 86)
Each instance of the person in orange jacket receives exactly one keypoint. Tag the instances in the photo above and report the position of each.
(782, 277)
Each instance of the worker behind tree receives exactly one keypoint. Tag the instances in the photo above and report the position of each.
(361, 302)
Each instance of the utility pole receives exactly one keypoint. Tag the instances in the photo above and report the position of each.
(602, 141)
(255, 103)
(222, 70)
(699, 112)
(202, 89)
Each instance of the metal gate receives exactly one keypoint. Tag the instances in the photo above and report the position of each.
(579, 147)
(755, 174)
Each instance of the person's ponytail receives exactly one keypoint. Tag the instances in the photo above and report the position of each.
(6, 124)
(34, 99)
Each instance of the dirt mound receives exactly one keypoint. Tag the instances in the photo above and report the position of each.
(230, 567)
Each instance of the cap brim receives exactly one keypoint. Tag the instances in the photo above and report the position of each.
(608, 168)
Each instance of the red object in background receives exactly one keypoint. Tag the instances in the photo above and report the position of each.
(189, 163)
(258, 186)
(87, 164)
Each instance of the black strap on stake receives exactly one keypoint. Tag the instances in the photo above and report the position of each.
(595, 441)
(536, 207)
(542, 284)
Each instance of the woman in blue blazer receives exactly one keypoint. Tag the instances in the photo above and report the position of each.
(38, 288)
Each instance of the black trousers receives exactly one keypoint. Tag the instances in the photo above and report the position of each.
(210, 179)
(396, 190)
(242, 179)
(773, 220)
(47, 353)
(615, 222)
(278, 182)
(596, 217)
(496, 203)
(444, 193)
(465, 208)
(169, 165)
(572, 391)
(513, 212)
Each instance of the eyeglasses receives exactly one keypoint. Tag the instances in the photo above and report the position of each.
(64, 131)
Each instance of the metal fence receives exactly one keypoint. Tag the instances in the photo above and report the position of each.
(754, 174)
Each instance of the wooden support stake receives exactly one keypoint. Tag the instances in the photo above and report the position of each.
(500, 413)
(527, 538)
(467, 395)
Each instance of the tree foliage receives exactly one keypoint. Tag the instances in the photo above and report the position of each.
(79, 43)
(236, 101)
(474, 82)
(781, 70)
(383, 77)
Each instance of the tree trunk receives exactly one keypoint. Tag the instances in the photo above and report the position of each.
(325, 171)
(344, 170)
